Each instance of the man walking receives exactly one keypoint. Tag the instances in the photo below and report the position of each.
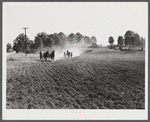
(40, 55)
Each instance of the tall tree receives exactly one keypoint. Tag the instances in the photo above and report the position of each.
(129, 38)
(87, 40)
(71, 38)
(136, 39)
(9, 46)
(127, 41)
(63, 38)
(78, 37)
(142, 43)
(43, 37)
(38, 42)
(111, 40)
(16, 47)
(120, 42)
(93, 39)
(50, 40)
(21, 42)
(57, 39)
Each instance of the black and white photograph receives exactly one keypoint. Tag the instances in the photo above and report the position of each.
(75, 60)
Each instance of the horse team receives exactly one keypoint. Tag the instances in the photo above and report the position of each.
(69, 54)
(51, 55)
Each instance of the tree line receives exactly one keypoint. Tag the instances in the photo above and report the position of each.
(130, 39)
(43, 39)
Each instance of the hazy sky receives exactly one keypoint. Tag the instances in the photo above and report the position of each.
(100, 19)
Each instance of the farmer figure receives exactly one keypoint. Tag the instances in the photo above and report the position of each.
(67, 52)
(64, 54)
(40, 55)
(71, 54)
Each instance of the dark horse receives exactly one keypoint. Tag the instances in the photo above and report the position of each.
(41, 55)
(47, 55)
(52, 55)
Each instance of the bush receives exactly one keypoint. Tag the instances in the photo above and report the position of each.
(10, 50)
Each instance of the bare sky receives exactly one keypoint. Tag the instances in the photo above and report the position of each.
(100, 19)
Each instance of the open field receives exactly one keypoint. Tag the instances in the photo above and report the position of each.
(97, 79)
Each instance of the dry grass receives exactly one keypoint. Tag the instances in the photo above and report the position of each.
(97, 79)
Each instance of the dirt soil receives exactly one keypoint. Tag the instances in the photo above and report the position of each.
(97, 79)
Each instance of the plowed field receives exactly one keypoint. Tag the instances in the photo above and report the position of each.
(98, 79)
